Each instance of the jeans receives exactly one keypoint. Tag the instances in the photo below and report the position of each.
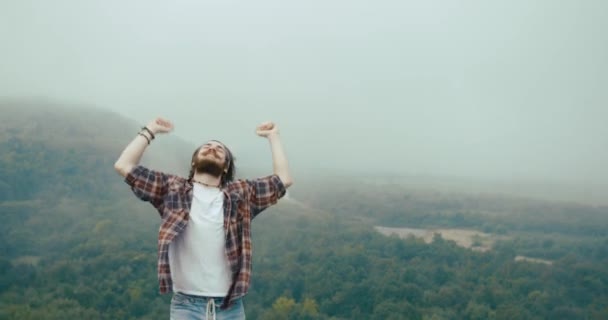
(188, 307)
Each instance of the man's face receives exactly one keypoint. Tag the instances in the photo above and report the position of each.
(211, 158)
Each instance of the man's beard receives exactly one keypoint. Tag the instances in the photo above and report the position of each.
(208, 166)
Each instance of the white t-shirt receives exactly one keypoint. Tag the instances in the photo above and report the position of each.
(197, 257)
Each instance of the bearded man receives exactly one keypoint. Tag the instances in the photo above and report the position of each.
(204, 240)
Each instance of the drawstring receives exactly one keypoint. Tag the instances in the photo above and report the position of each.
(210, 314)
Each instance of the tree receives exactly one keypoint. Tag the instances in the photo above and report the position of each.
(282, 309)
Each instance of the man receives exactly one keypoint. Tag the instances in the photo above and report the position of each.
(204, 241)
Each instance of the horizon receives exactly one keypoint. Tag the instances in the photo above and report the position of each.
(582, 192)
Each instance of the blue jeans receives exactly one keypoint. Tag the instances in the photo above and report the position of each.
(188, 307)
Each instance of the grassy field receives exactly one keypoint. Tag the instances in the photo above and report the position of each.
(467, 238)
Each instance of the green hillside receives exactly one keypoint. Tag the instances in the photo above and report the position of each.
(77, 245)
(71, 150)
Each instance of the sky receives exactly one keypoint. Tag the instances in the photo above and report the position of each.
(481, 89)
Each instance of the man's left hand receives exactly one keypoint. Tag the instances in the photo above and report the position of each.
(267, 129)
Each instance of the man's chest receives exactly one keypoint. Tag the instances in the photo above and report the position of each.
(196, 208)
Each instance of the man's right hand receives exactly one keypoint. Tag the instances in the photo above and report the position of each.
(160, 125)
(130, 156)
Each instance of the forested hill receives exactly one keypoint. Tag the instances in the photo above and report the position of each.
(71, 150)
(76, 244)
(57, 180)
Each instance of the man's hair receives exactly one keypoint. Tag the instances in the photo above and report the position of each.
(228, 175)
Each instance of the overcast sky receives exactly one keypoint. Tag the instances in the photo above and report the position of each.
(464, 88)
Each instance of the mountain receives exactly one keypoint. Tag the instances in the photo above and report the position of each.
(71, 149)
(76, 244)
(57, 177)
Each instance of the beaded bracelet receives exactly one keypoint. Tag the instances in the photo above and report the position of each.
(149, 131)
(145, 136)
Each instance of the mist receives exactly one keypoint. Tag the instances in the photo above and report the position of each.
(505, 91)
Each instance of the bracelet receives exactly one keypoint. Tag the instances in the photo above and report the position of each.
(149, 131)
(143, 135)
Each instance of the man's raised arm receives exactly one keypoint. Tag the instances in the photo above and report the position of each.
(131, 155)
(279, 159)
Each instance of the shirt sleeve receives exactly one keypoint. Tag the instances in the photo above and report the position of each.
(149, 185)
(264, 192)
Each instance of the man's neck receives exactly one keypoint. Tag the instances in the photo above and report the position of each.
(206, 179)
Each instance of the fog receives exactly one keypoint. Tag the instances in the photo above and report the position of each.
(499, 90)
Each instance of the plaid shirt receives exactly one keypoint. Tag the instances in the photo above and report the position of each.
(172, 197)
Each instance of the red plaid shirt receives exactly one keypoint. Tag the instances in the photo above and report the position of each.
(172, 197)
